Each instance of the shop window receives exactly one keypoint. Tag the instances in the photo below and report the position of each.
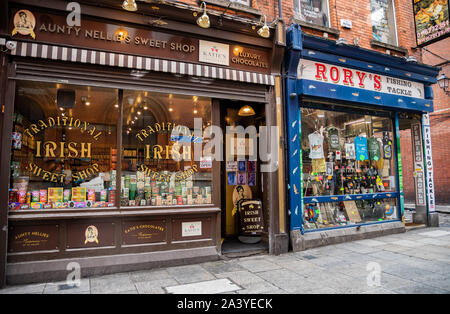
(158, 167)
(313, 11)
(347, 158)
(383, 21)
(63, 146)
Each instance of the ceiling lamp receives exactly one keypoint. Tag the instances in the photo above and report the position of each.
(246, 111)
(264, 31)
(129, 5)
(203, 21)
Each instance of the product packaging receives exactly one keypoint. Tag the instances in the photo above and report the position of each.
(66, 195)
(91, 195)
(43, 196)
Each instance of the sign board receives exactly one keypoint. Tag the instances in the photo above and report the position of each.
(419, 173)
(212, 52)
(140, 232)
(191, 229)
(428, 163)
(431, 18)
(251, 217)
(333, 74)
(33, 238)
(126, 39)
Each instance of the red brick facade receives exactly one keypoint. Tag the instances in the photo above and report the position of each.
(433, 54)
(360, 15)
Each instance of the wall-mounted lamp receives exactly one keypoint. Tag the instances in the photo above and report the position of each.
(443, 82)
(129, 5)
(341, 41)
(264, 31)
(411, 59)
(203, 21)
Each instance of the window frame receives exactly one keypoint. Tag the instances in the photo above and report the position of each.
(117, 208)
(339, 107)
(394, 13)
(298, 4)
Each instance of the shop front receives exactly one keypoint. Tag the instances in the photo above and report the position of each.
(114, 161)
(344, 106)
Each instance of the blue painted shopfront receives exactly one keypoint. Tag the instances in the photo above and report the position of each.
(299, 90)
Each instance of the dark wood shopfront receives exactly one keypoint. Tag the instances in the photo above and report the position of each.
(118, 238)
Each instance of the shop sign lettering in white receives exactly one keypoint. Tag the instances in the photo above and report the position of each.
(191, 229)
(428, 162)
(211, 52)
(418, 165)
(333, 74)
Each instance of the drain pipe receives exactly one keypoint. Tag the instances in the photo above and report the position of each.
(280, 10)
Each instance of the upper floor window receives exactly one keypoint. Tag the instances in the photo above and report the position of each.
(383, 21)
(242, 2)
(313, 11)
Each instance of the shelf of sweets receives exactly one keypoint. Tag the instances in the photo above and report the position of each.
(61, 198)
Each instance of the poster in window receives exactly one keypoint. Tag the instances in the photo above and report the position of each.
(231, 178)
(242, 178)
(432, 20)
(313, 11)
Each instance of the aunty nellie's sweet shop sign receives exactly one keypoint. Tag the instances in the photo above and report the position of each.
(93, 34)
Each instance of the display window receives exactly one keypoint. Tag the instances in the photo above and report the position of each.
(349, 173)
(65, 148)
(63, 144)
(158, 164)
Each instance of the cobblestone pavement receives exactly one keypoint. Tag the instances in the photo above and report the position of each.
(417, 261)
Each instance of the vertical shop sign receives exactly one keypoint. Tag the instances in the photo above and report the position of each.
(419, 173)
(428, 162)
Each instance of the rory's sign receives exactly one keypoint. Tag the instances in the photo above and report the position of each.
(333, 74)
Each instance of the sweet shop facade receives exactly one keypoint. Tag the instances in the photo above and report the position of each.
(101, 126)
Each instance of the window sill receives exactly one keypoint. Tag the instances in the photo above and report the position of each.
(233, 6)
(78, 213)
(399, 49)
(316, 27)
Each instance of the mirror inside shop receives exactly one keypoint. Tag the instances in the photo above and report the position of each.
(349, 168)
(65, 148)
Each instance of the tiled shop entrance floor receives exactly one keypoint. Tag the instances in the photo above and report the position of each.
(205, 287)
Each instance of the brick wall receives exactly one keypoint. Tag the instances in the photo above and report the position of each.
(358, 11)
(440, 131)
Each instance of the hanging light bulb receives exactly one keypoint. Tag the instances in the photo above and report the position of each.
(203, 21)
(129, 5)
(264, 31)
(246, 111)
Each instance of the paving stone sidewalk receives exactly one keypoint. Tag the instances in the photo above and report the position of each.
(414, 262)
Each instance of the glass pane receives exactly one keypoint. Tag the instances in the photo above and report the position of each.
(346, 153)
(383, 21)
(63, 147)
(336, 214)
(159, 169)
(312, 11)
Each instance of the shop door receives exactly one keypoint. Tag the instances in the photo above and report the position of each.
(412, 158)
(243, 221)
